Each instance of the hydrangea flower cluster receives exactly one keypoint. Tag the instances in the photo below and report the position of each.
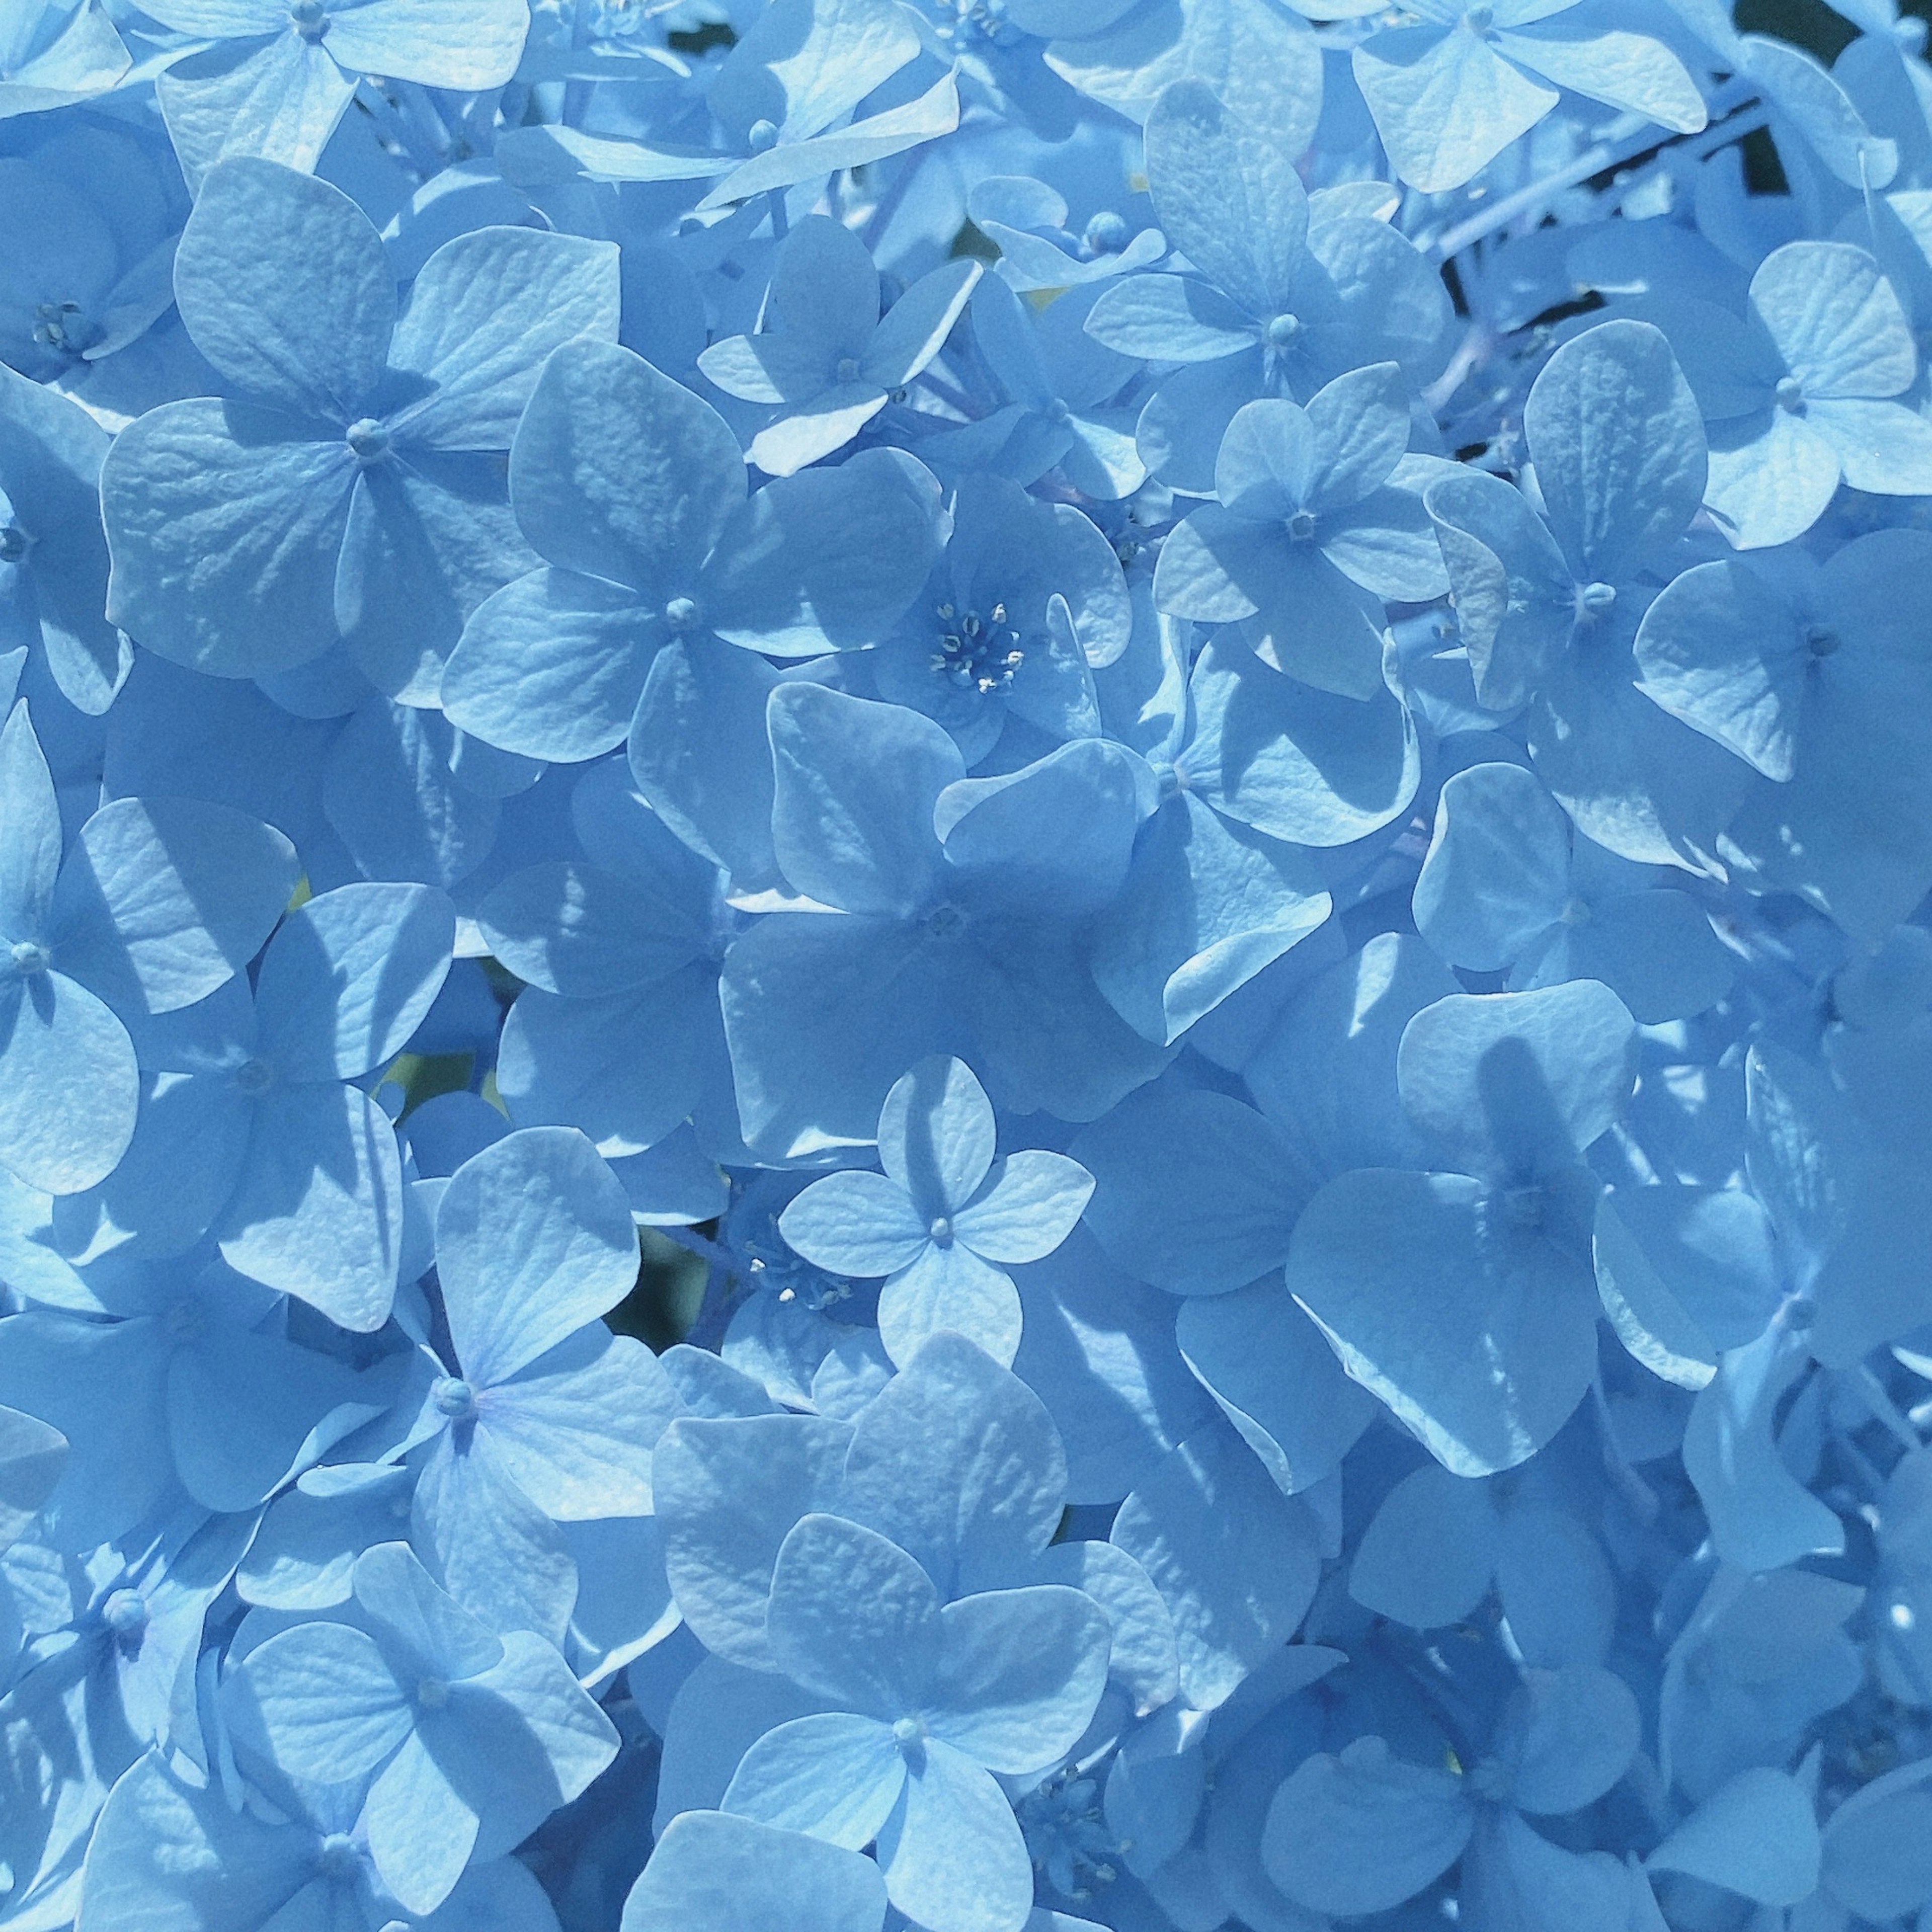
(1196, 735)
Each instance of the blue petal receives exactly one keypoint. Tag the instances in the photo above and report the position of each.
(1363, 1832)
(1193, 1191)
(713, 1872)
(347, 979)
(1480, 1335)
(534, 1240)
(1757, 1834)
(957, 1461)
(1233, 1559)
(284, 286)
(1276, 1380)
(728, 1493)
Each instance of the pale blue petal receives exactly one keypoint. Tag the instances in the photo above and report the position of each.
(164, 899)
(534, 1239)
(852, 1618)
(835, 1776)
(313, 341)
(574, 1430)
(1363, 1832)
(1233, 1559)
(726, 1492)
(857, 783)
(1276, 1380)
(1307, 766)
(348, 977)
(319, 1701)
(224, 521)
(936, 1137)
(617, 472)
(1619, 448)
(1481, 1335)
(317, 1211)
(69, 1086)
(855, 1223)
(957, 1460)
(1514, 1083)
(1026, 1207)
(1193, 1191)
(1429, 1552)
(1756, 1834)
(712, 1872)
(951, 1851)
(950, 1287)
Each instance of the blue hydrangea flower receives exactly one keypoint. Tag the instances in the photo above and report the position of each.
(1789, 669)
(1507, 886)
(1550, 605)
(272, 78)
(356, 459)
(923, 1702)
(1279, 303)
(542, 1416)
(634, 489)
(1027, 600)
(1307, 534)
(1802, 392)
(157, 905)
(457, 1736)
(832, 362)
(1514, 1087)
(964, 898)
(1450, 93)
(943, 1215)
(260, 1137)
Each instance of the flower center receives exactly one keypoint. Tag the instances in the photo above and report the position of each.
(773, 1266)
(941, 1230)
(309, 18)
(848, 368)
(1106, 234)
(60, 326)
(432, 1694)
(1067, 1837)
(31, 958)
(1821, 640)
(1301, 526)
(1594, 599)
(1575, 911)
(681, 613)
(908, 1733)
(13, 542)
(1522, 1207)
(454, 1398)
(977, 653)
(1479, 20)
(1790, 394)
(125, 1613)
(1283, 330)
(976, 20)
(335, 1860)
(254, 1078)
(762, 137)
(369, 440)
